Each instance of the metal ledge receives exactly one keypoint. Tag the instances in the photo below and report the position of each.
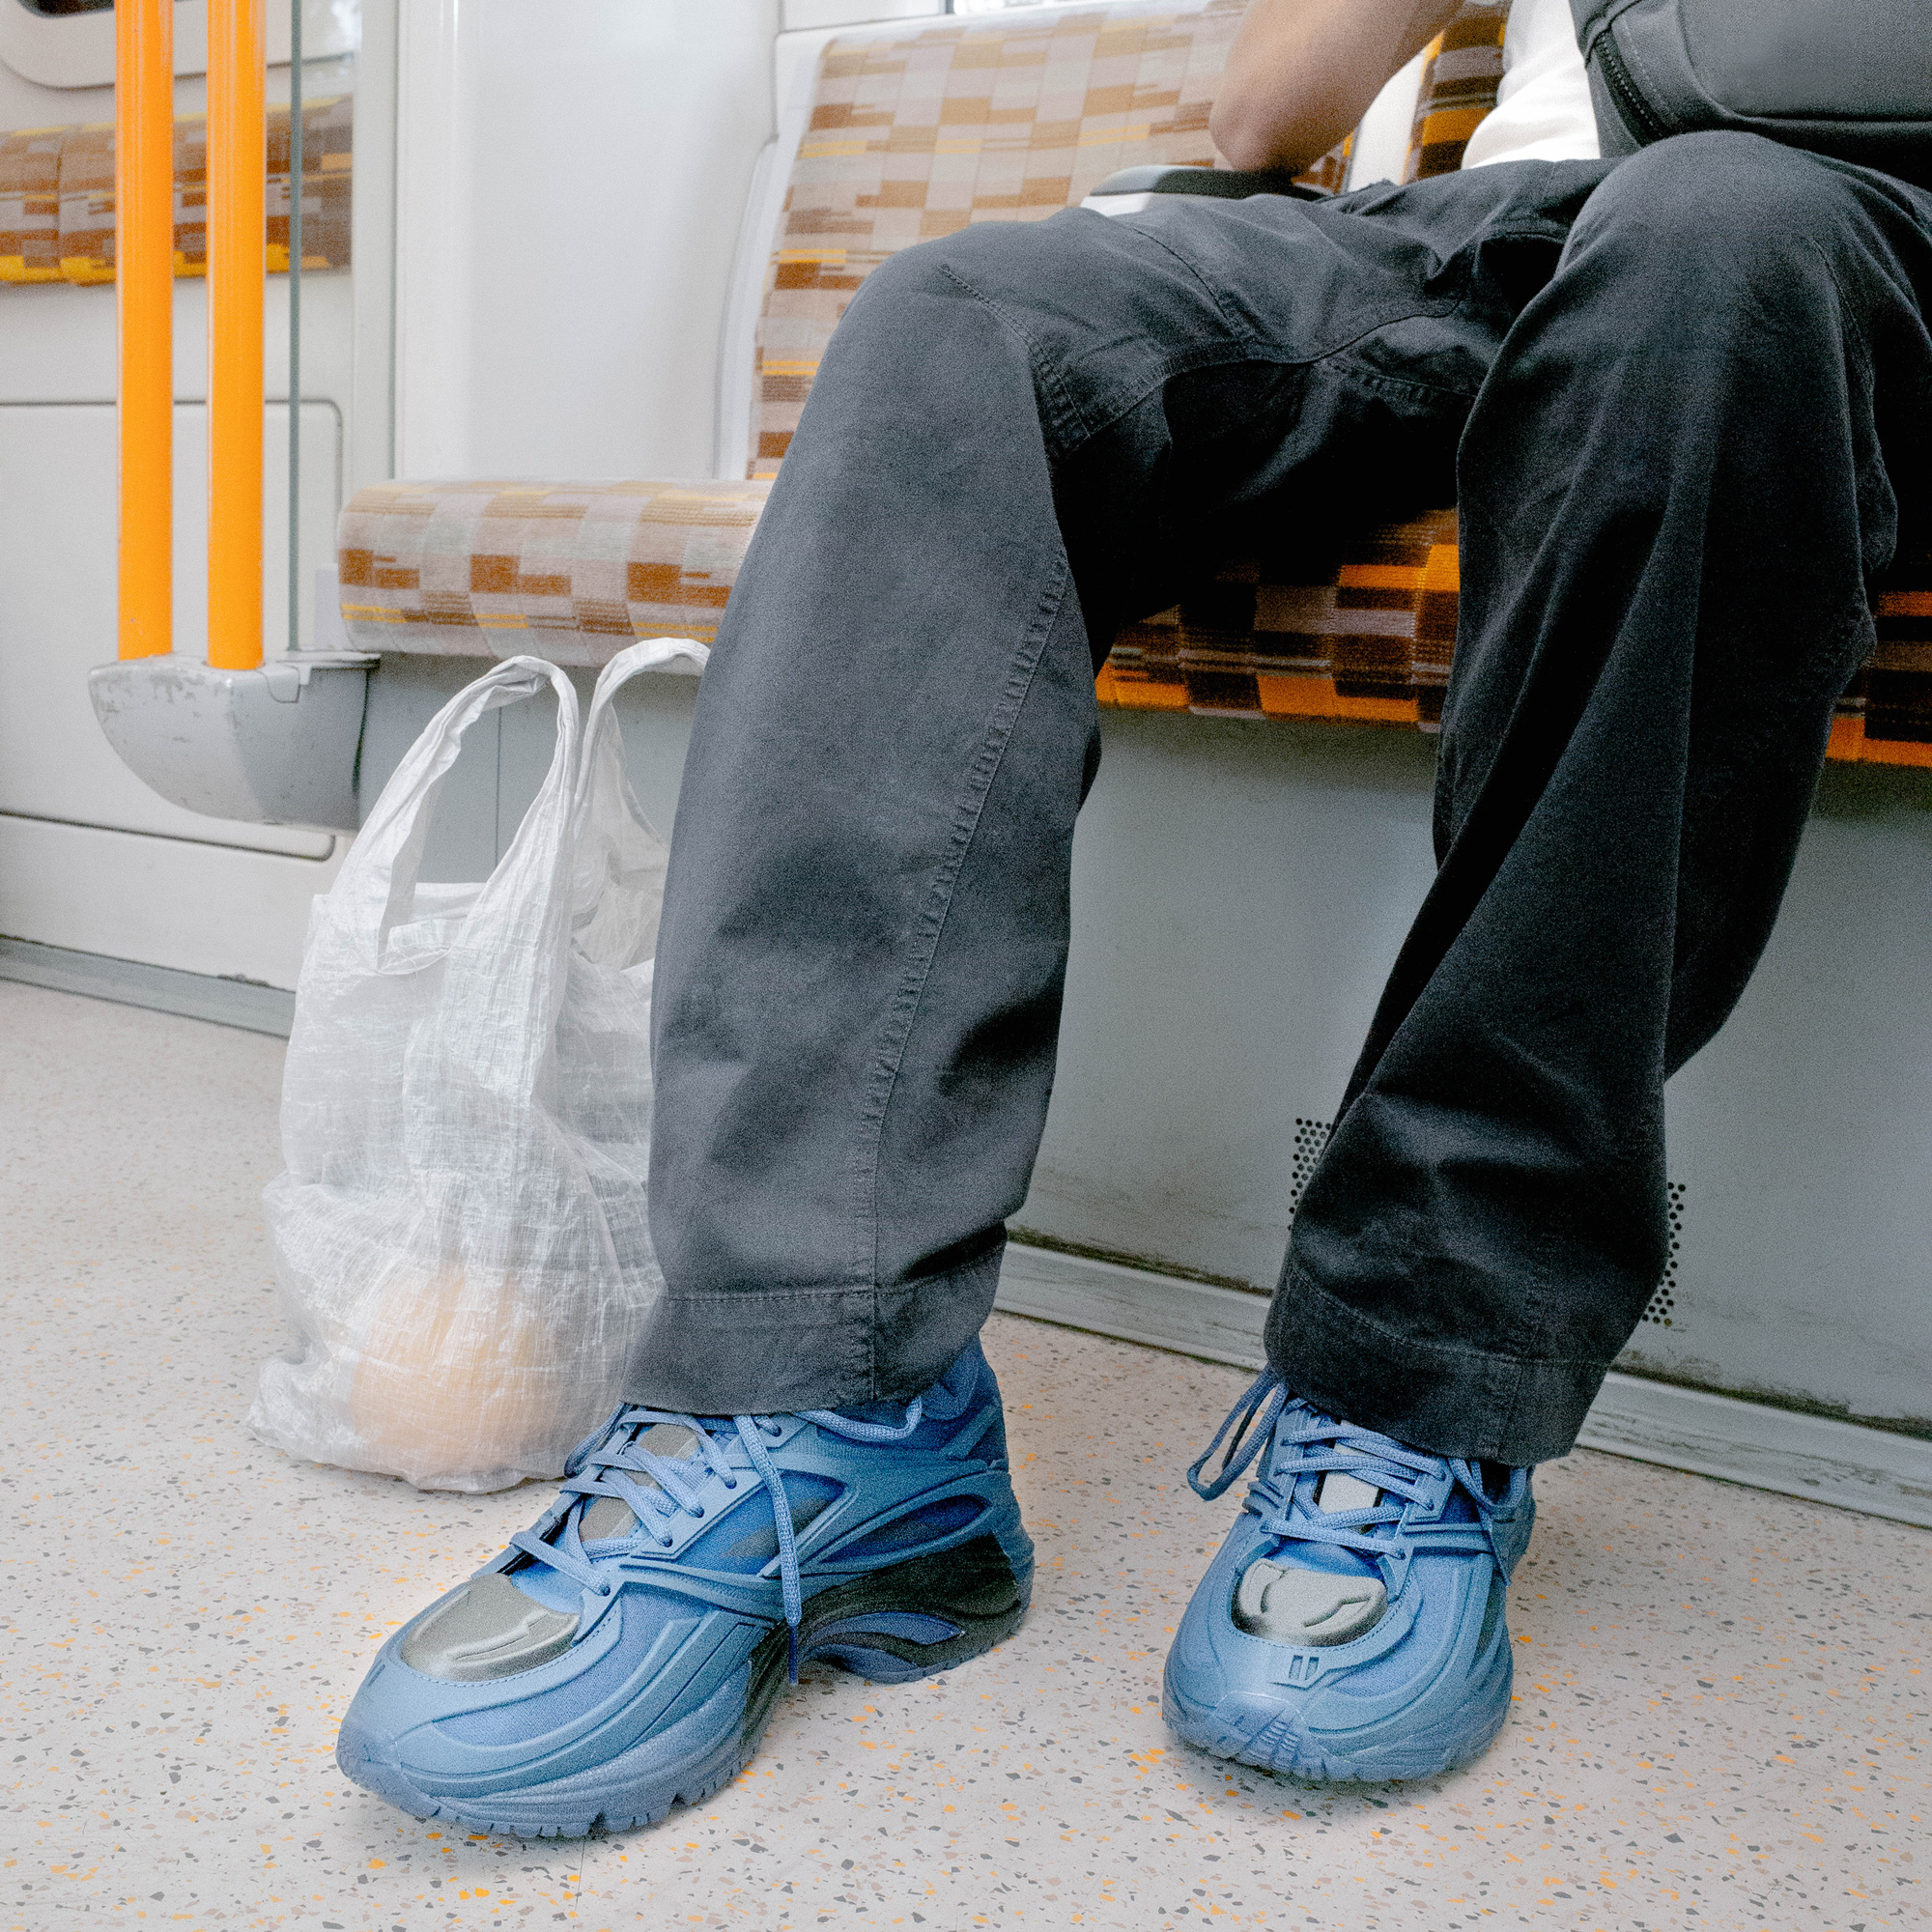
(1873, 1471)
(275, 746)
(131, 983)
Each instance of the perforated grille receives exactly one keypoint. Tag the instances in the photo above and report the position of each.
(1310, 1138)
(1661, 1312)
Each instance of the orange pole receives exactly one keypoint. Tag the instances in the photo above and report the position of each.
(144, 286)
(237, 261)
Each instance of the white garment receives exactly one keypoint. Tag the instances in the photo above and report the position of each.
(1542, 109)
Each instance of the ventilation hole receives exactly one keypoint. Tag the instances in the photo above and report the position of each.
(1310, 1137)
(1661, 1310)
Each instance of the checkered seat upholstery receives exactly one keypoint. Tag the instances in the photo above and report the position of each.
(913, 134)
(57, 196)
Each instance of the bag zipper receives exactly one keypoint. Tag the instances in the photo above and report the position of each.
(1642, 117)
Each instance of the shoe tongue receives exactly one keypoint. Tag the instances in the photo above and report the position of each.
(605, 1519)
(548, 1587)
(1327, 1495)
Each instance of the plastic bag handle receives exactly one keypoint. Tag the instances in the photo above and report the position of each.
(603, 770)
(615, 845)
(378, 881)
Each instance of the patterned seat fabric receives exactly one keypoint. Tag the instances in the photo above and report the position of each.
(570, 570)
(1003, 117)
(913, 137)
(57, 196)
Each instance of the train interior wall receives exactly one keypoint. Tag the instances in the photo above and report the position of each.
(548, 216)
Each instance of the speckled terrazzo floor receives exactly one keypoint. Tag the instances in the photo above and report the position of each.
(1721, 1721)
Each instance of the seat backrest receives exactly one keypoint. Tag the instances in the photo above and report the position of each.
(994, 117)
(903, 133)
(57, 196)
(1011, 117)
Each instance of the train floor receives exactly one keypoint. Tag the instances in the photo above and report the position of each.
(1721, 1722)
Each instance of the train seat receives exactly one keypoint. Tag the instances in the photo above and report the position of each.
(904, 136)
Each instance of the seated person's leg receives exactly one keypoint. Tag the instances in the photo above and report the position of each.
(1019, 437)
(1674, 498)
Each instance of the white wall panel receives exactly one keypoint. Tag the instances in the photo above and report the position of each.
(570, 186)
(1240, 891)
(166, 901)
(75, 52)
(57, 340)
(811, 13)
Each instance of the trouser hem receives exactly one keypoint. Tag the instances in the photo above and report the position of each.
(1439, 1397)
(776, 1351)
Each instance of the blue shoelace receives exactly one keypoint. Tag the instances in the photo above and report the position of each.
(604, 1464)
(1268, 1412)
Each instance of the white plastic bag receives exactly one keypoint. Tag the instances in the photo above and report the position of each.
(460, 1236)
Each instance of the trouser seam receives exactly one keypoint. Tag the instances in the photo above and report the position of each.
(1046, 377)
(931, 923)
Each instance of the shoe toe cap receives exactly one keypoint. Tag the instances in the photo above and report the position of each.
(1287, 1603)
(484, 1631)
(1421, 1685)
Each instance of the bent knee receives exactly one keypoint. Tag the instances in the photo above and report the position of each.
(1733, 199)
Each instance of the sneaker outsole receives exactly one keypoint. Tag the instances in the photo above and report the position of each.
(1271, 1742)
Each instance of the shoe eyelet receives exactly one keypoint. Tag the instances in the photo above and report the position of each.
(771, 1428)
(698, 1510)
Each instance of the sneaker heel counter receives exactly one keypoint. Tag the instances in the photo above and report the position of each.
(981, 1434)
(991, 1446)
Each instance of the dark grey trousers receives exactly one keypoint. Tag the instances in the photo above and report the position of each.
(1679, 401)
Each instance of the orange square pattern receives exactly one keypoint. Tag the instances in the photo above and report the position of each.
(997, 118)
(570, 571)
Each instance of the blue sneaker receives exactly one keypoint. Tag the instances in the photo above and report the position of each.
(1351, 1626)
(624, 1654)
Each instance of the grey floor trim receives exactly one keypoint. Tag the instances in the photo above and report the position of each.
(198, 996)
(1871, 1470)
(1220, 1323)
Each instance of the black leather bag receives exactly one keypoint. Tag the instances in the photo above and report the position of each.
(1846, 77)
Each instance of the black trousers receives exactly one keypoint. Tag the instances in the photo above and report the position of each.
(1678, 398)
